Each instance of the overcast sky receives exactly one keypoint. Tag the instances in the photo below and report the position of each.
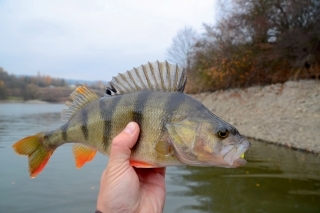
(92, 40)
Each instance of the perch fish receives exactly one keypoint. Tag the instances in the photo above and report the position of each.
(175, 128)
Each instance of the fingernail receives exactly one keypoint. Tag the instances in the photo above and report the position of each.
(130, 128)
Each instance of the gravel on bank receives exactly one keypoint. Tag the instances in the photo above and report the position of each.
(286, 114)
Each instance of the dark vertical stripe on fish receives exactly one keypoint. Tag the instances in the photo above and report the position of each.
(174, 102)
(107, 109)
(64, 129)
(84, 124)
(139, 106)
(46, 135)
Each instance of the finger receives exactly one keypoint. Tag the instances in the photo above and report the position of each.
(161, 170)
(121, 145)
(143, 172)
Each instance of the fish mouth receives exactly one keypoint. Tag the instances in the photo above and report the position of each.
(233, 156)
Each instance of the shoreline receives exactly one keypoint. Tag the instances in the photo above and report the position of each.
(28, 102)
(285, 114)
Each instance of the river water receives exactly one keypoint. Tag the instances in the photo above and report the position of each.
(275, 179)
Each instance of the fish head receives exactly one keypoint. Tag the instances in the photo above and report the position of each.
(200, 142)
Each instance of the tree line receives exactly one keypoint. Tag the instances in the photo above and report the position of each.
(40, 87)
(31, 87)
(253, 42)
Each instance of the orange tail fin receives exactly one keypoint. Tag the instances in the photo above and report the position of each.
(38, 155)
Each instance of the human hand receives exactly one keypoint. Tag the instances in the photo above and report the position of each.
(124, 188)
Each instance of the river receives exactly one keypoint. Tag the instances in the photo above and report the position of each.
(275, 179)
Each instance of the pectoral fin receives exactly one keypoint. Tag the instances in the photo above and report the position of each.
(83, 154)
(164, 147)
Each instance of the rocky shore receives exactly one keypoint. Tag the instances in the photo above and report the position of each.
(287, 114)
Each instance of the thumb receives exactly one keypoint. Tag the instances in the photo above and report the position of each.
(122, 144)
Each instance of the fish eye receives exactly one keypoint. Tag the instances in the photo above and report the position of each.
(223, 132)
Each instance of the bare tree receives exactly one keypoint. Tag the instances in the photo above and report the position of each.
(182, 47)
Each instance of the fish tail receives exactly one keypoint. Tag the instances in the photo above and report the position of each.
(37, 153)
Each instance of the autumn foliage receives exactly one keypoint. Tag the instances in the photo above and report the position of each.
(257, 42)
(41, 87)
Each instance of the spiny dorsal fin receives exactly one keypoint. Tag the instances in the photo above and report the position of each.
(158, 76)
(80, 97)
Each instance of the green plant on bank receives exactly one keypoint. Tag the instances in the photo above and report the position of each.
(14, 98)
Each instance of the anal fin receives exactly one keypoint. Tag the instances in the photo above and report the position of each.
(82, 154)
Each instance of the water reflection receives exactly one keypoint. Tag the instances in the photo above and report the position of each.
(274, 180)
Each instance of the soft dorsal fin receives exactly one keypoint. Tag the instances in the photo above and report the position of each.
(158, 76)
(80, 97)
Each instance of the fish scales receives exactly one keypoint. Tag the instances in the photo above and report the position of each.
(156, 107)
(175, 129)
(115, 112)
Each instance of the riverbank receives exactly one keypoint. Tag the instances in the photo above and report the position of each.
(287, 114)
